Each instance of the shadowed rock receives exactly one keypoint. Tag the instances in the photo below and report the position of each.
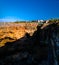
(29, 50)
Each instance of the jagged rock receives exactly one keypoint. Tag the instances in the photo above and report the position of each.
(38, 49)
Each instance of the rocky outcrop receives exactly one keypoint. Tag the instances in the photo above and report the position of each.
(15, 31)
(38, 49)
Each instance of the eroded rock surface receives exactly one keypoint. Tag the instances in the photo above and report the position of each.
(38, 49)
(15, 31)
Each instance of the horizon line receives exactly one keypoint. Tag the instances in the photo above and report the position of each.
(18, 19)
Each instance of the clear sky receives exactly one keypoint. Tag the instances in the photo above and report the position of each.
(28, 9)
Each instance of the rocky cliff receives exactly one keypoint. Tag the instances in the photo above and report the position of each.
(39, 49)
(15, 31)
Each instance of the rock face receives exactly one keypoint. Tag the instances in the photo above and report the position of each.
(15, 31)
(38, 49)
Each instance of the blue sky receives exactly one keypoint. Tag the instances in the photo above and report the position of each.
(11, 10)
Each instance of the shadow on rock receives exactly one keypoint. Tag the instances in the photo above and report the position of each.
(30, 50)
